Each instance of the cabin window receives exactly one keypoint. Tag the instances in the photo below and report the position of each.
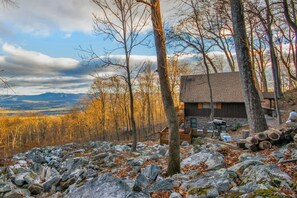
(193, 123)
(206, 105)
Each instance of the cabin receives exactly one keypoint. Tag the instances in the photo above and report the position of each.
(227, 97)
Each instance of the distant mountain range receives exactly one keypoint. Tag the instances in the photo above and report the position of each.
(47, 103)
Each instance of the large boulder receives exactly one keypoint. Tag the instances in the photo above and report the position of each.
(141, 183)
(210, 184)
(17, 193)
(104, 186)
(214, 160)
(240, 167)
(162, 185)
(247, 156)
(151, 172)
(269, 174)
(19, 180)
(6, 187)
(262, 177)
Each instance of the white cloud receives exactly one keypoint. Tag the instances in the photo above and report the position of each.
(41, 17)
(34, 61)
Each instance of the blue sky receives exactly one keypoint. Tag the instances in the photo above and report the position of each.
(39, 43)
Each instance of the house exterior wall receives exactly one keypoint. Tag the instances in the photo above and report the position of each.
(232, 113)
(229, 110)
(202, 122)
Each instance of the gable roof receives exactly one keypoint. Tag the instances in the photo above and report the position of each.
(226, 87)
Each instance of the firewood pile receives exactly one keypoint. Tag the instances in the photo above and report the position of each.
(265, 140)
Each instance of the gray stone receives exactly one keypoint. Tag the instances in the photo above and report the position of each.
(17, 193)
(67, 183)
(137, 162)
(141, 145)
(75, 163)
(104, 186)
(19, 180)
(213, 160)
(121, 148)
(111, 165)
(250, 187)
(240, 167)
(277, 155)
(154, 157)
(206, 192)
(136, 169)
(162, 151)
(6, 187)
(141, 183)
(31, 177)
(38, 168)
(52, 182)
(185, 143)
(206, 148)
(100, 156)
(221, 180)
(35, 189)
(268, 174)
(175, 195)
(151, 172)
(90, 173)
(37, 158)
(247, 156)
(129, 182)
(163, 185)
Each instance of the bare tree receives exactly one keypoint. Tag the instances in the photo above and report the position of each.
(219, 28)
(160, 44)
(254, 110)
(190, 34)
(292, 21)
(264, 13)
(123, 22)
(176, 68)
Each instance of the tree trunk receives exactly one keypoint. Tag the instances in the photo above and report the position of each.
(132, 118)
(275, 68)
(254, 110)
(293, 25)
(211, 116)
(174, 148)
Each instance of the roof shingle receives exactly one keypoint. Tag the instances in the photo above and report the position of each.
(226, 87)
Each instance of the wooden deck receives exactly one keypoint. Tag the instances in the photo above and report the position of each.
(164, 136)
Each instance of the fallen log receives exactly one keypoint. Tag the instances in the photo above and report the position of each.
(260, 136)
(265, 145)
(252, 147)
(252, 140)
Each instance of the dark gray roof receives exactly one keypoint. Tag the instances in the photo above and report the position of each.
(226, 87)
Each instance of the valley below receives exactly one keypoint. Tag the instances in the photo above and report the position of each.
(45, 104)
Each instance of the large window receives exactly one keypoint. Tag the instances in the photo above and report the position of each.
(193, 123)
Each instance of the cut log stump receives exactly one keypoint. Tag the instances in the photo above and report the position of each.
(252, 140)
(261, 136)
(265, 145)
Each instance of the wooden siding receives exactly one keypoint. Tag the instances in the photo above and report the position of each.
(229, 110)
